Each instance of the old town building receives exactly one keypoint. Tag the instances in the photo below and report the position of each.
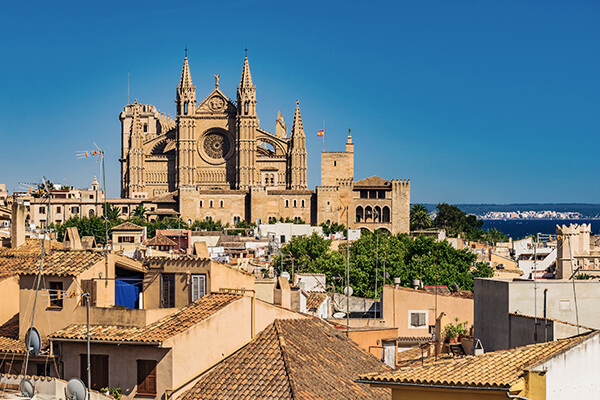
(215, 161)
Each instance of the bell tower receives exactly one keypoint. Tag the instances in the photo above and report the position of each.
(186, 124)
(247, 123)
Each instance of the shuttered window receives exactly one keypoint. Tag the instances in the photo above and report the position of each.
(198, 286)
(167, 299)
(417, 319)
(146, 377)
(98, 369)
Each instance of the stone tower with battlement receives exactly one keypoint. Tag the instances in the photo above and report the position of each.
(574, 251)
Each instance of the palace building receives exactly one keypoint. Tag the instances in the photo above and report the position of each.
(215, 161)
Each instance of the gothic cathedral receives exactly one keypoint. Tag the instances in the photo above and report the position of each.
(215, 161)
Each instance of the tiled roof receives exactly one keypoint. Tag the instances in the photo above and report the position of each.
(26, 259)
(127, 226)
(159, 240)
(9, 337)
(372, 181)
(158, 331)
(291, 359)
(498, 369)
(315, 299)
(63, 263)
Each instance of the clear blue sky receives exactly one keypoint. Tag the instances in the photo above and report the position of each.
(474, 101)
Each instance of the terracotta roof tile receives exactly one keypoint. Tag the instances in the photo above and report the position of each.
(291, 359)
(498, 369)
(315, 299)
(372, 181)
(158, 331)
(159, 240)
(127, 226)
(9, 337)
(26, 259)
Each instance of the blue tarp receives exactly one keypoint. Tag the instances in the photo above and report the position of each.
(126, 294)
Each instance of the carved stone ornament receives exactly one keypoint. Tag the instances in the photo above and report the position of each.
(216, 145)
(216, 103)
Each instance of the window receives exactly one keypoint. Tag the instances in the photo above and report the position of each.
(198, 286)
(91, 213)
(287, 203)
(91, 197)
(210, 204)
(42, 210)
(167, 298)
(146, 377)
(58, 210)
(145, 127)
(98, 370)
(208, 218)
(75, 210)
(418, 319)
(335, 163)
(295, 204)
(302, 203)
(55, 292)
(201, 203)
(125, 239)
(237, 219)
(124, 210)
(221, 204)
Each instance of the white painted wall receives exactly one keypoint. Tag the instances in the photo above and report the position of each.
(575, 373)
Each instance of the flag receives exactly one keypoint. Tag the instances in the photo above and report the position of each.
(321, 133)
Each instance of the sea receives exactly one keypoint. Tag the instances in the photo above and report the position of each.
(520, 228)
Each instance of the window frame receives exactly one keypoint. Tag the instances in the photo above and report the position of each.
(55, 287)
(146, 384)
(197, 279)
(425, 320)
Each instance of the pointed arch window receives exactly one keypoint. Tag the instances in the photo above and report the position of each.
(368, 214)
(246, 108)
(185, 108)
(377, 214)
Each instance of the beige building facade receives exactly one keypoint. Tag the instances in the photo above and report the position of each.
(214, 160)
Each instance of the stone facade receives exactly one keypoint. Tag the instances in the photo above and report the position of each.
(215, 161)
(577, 249)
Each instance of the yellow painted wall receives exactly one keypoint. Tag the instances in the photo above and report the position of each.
(9, 298)
(422, 393)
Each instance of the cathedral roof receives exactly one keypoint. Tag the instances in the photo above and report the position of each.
(372, 182)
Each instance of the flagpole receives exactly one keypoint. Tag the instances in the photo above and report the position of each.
(323, 135)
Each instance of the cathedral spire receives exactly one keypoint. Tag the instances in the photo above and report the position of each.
(246, 80)
(297, 128)
(186, 91)
(186, 76)
(297, 165)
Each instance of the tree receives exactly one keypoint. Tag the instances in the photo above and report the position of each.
(455, 221)
(111, 212)
(139, 211)
(419, 217)
(332, 228)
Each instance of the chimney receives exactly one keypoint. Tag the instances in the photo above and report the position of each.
(17, 223)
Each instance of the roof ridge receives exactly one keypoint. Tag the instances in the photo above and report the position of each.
(286, 361)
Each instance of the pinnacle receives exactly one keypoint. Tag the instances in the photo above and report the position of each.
(186, 76)
(297, 128)
(246, 80)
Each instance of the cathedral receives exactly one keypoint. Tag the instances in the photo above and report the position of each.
(215, 161)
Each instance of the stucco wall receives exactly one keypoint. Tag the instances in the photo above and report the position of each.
(422, 393)
(122, 364)
(494, 299)
(399, 302)
(9, 298)
(574, 373)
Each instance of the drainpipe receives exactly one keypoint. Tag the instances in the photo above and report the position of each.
(545, 315)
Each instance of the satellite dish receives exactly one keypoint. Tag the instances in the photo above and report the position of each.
(75, 389)
(348, 291)
(26, 388)
(33, 341)
(339, 315)
(285, 275)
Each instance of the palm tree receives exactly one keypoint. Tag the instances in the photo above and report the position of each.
(139, 211)
(111, 212)
(419, 217)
